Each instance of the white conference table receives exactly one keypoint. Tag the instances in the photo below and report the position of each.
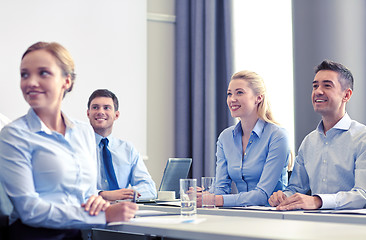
(287, 215)
(216, 227)
(246, 224)
(325, 217)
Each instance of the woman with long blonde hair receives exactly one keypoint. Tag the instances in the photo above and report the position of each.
(254, 153)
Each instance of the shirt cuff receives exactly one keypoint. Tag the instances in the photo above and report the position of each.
(288, 193)
(328, 200)
(98, 221)
(229, 200)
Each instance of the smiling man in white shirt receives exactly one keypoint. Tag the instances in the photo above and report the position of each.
(331, 161)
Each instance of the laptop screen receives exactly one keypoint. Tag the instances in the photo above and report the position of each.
(175, 169)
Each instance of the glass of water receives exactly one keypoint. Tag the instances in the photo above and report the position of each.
(208, 188)
(188, 197)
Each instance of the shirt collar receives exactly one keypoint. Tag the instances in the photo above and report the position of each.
(98, 138)
(36, 124)
(258, 128)
(343, 124)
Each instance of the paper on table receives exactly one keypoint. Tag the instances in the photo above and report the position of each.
(343, 211)
(165, 220)
(143, 213)
(263, 208)
(175, 203)
(161, 220)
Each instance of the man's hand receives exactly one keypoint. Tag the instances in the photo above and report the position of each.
(300, 201)
(121, 212)
(95, 204)
(120, 194)
(277, 198)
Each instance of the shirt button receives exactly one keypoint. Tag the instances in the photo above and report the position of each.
(245, 154)
(250, 141)
(326, 143)
(324, 180)
(324, 161)
(105, 181)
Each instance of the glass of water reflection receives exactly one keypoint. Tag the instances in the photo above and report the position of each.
(188, 196)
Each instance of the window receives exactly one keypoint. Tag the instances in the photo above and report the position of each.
(263, 44)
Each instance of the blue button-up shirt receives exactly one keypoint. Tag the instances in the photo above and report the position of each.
(128, 165)
(333, 166)
(257, 173)
(5, 204)
(48, 175)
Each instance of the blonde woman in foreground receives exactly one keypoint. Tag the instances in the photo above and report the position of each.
(48, 161)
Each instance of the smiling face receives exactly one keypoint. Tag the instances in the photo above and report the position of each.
(241, 99)
(42, 81)
(328, 97)
(102, 114)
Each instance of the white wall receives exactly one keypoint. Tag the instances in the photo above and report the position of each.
(160, 85)
(85, 28)
(107, 40)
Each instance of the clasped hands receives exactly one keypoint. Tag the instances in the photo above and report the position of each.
(208, 198)
(296, 201)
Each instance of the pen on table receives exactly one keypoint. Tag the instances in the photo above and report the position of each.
(134, 198)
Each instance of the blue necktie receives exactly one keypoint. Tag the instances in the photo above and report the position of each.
(108, 166)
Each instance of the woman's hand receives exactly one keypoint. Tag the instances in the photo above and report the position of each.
(121, 212)
(277, 198)
(199, 197)
(95, 204)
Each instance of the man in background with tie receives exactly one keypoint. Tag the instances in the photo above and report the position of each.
(119, 164)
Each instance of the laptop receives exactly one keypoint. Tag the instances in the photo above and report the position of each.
(175, 169)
